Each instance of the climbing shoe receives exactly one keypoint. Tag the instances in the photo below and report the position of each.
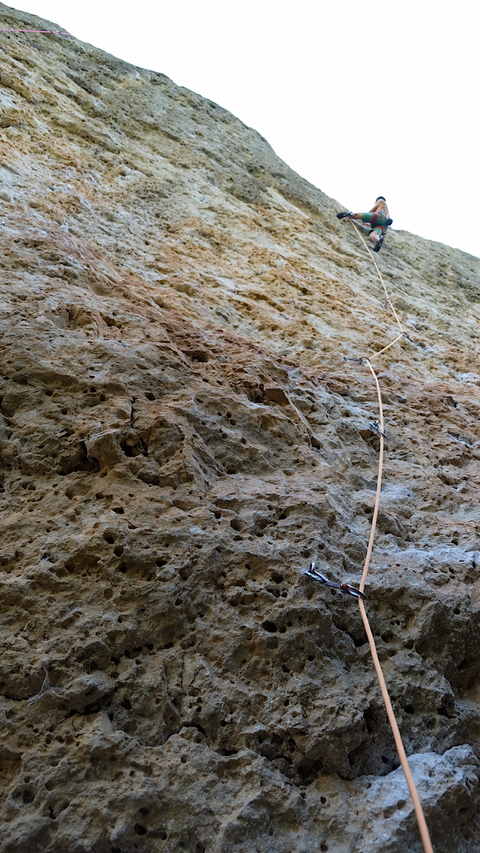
(378, 244)
(389, 222)
(344, 214)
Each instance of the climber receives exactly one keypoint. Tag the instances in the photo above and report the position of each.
(378, 218)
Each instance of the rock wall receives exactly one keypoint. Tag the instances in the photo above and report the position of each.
(179, 437)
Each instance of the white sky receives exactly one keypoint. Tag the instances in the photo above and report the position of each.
(362, 99)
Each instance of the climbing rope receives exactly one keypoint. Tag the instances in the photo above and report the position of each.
(422, 825)
(389, 301)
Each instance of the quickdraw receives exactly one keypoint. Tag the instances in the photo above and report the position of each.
(346, 588)
(375, 427)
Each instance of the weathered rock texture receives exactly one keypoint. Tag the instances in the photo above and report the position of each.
(180, 435)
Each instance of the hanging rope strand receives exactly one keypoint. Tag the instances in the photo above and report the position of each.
(397, 319)
(373, 526)
(422, 824)
(387, 347)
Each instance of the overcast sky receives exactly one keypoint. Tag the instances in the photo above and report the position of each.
(362, 99)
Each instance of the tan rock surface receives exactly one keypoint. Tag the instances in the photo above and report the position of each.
(179, 436)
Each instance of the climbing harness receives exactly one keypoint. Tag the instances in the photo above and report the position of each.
(378, 222)
(346, 588)
(379, 428)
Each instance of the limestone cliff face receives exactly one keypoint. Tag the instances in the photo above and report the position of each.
(179, 437)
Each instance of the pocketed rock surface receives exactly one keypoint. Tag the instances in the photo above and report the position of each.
(180, 436)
